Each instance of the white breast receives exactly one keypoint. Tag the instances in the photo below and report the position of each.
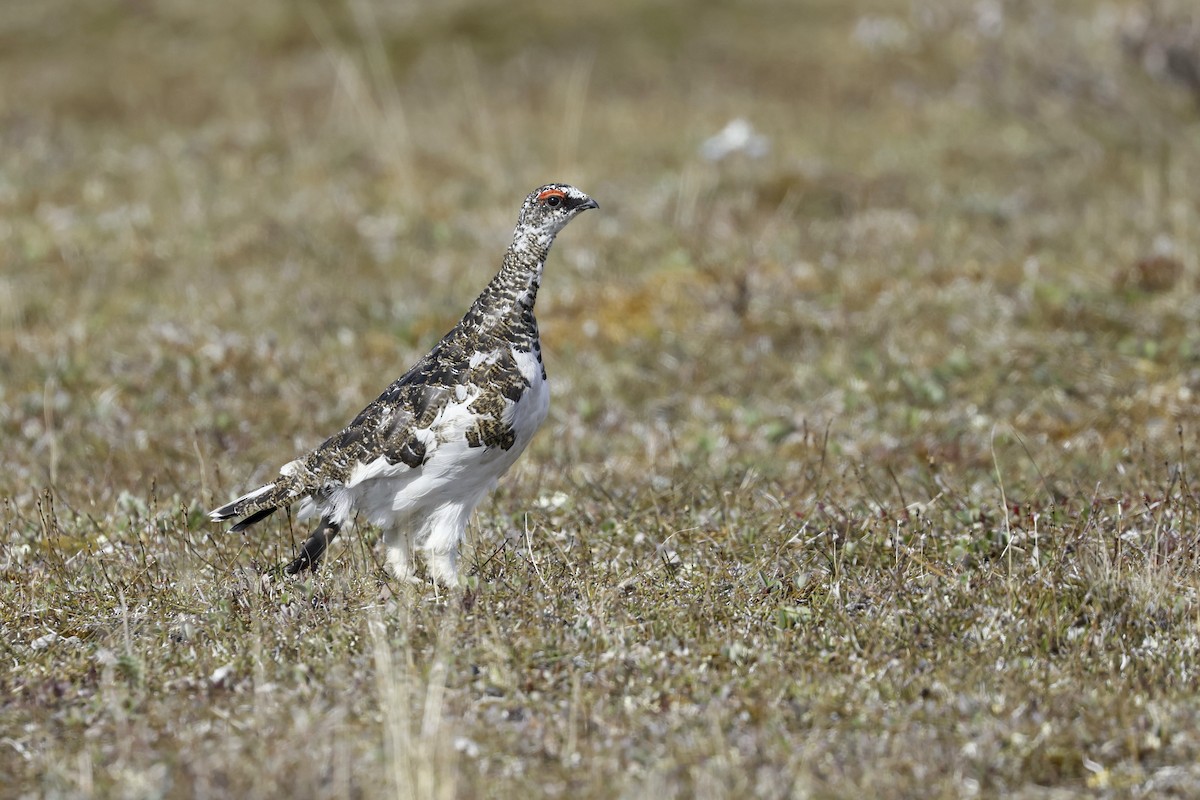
(454, 472)
(530, 411)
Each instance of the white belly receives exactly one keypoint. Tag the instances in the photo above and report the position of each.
(455, 474)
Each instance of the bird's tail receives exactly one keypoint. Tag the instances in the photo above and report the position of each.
(260, 503)
(265, 500)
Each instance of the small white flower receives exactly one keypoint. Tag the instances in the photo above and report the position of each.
(553, 502)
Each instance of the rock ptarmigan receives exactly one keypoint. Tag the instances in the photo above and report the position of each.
(419, 459)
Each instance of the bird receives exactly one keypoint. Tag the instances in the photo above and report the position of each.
(418, 459)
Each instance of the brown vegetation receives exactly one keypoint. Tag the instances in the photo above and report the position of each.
(867, 472)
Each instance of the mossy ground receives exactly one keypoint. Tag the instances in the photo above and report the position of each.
(869, 470)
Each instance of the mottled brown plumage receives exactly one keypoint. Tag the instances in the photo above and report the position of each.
(432, 444)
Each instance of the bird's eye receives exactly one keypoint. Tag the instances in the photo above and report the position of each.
(553, 197)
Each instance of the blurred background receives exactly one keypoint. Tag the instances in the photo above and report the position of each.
(227, 225)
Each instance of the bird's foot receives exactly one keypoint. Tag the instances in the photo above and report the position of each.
(443, 569)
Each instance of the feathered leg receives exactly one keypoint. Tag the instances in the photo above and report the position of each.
(443, 567)
(398, 542)
(447, 525)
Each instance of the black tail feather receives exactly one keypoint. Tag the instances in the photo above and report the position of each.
(256, 505)
(312, 550)
(253, 518)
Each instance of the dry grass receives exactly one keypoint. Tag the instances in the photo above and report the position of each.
(870, 466)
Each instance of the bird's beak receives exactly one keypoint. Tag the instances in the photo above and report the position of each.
(586, 204)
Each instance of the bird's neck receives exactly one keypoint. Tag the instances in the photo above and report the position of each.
(508, 300)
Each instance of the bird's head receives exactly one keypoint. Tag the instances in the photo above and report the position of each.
(548, 208)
